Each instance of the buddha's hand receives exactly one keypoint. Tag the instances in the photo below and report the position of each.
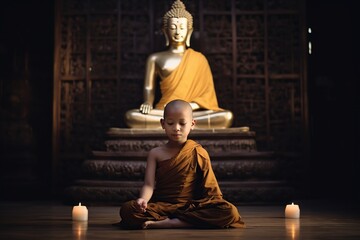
(194, 105)
(145, 108)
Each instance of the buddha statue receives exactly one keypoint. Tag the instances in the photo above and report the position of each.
(184, 74)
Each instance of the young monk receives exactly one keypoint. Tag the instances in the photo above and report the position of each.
(180, 189)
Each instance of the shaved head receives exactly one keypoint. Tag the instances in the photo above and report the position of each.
(177, 105)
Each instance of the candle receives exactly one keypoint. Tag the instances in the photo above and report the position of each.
(80, 213)
(292, 211)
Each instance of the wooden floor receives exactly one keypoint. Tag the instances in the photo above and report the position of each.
(52, 220)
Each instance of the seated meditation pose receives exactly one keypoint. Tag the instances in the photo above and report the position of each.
(180, 189)
(184, 74)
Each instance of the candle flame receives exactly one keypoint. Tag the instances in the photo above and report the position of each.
(79, 203)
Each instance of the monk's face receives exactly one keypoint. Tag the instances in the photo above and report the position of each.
(178, 122)
(177, 30)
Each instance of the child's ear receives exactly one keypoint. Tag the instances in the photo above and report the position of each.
(193, 124)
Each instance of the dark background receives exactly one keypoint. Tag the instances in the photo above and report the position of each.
(26, 65)
(333, 71)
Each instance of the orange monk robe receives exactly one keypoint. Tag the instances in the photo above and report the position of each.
(191, 81)
(186, 188)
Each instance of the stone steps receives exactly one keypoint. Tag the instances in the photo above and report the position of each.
(115, 173)
(240, 167)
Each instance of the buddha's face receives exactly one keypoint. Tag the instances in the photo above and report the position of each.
(177, 30)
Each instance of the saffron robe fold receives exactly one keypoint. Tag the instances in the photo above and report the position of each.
(191, 81)
(186, 188)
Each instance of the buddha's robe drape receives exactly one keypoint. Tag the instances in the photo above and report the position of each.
(191, 81)
(186, 188)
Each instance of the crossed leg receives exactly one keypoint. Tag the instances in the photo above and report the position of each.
(166, 223)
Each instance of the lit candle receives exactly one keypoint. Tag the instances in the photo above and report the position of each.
(80, 213)
(292, 211)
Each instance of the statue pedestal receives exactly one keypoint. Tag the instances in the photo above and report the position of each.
(245, 175)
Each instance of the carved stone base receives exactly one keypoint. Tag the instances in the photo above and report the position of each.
(259, 165)
(115, 174)
(137, 142)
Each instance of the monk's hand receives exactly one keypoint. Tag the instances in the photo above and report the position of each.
(141, 204)
(145, 108)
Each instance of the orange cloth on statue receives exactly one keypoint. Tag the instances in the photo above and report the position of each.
(192, 81)
(186, 188)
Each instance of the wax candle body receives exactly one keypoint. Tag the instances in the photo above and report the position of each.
(292, 211)
(80, 213)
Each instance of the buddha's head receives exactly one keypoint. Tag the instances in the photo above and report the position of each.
(178, 15)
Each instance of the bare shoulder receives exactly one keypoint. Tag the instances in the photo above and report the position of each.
(156, 55)
(161, 153)
(155, 151)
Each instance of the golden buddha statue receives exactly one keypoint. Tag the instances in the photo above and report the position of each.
(185, 74)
